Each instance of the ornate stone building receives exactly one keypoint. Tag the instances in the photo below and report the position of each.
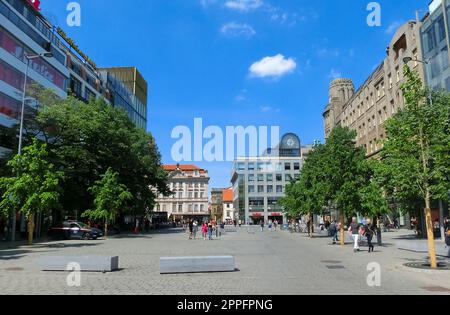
(189, 185)
(379, 97)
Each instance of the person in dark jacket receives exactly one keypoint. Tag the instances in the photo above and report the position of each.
(370, 231)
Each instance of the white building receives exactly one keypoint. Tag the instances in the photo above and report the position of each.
(189, 185)
(228, 207)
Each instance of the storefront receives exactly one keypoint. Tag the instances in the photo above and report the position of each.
(256, 218)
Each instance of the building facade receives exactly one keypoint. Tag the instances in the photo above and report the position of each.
(189, 199)
(258, 183)
(24, 32)
(229, 215)
(216, 204)
(379, 97)
(434, 34)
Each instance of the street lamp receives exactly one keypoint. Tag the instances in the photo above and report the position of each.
(29, 58)
(408, 59)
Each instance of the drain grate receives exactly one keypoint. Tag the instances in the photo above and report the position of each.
(436, 289)
(427, 266)
(335, 267)
(331, 262)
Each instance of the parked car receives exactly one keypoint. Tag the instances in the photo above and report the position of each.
(74, 230)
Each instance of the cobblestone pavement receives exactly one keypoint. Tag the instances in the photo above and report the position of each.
(269, 263)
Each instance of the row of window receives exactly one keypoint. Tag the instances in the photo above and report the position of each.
(268, 166)
(179, 208)
(261, 189)
(259, 201)
(24, 27)
(190, 185)
(271, 177)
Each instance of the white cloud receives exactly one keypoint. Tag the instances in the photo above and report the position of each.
(234, 29)
(392, 28)
(275, 66)
(244, 5)
(334, 74)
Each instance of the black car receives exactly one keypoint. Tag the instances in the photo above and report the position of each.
(74, 230)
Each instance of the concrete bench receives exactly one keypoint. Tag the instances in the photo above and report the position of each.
(196, 264)
(86, 263)
(230, 229)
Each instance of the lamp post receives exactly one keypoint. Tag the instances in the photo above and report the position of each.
(29, 58)
(407, 60)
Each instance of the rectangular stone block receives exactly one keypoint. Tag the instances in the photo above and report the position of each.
(197, 264)
(422, 247)
(86, 263)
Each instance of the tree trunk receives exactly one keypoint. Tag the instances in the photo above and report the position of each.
(430, 232)
(342, 232)
(311, 225)
(30, 229)
(106, 229)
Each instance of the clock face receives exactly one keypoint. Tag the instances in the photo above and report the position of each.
(290, 141)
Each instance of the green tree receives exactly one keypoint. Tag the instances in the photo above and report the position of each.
(109, 197)
(35, 189)
(336, 173)
(86, 139)
(415, 158)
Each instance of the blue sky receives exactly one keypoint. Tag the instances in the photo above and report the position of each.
(197, 57)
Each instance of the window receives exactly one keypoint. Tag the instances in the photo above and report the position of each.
(75, 86)
(279, 189)
(180, 208)
(202, 208)
(251, 166)
(195, 208)
(241, 166)
(279, 177)
(441, 27)
(190, 208)
(251, 189)
(195, 195)
(270, 177)
(260, 189)
(296, 176)
(287, 166)
(288, 177)
(430, 41)
(251, 177)
(190, 195)
(270, 189)
(260, 177)
(296, 166)
(272, 201)
(174, 207)
(260, 166)
(180, 195)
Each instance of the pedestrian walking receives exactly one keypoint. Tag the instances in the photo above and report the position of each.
(275, 224)
(210, 231)
(369, 231)
(204, 230)
(235, 223)
(354, 230)
(334, 231)
(261, 223)
(191, 228)
(240, 223)
(195, 229)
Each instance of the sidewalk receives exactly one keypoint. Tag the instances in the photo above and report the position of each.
(408, 241)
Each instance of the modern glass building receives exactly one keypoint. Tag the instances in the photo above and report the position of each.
(24, 31)
(260, 182)
(434, 34)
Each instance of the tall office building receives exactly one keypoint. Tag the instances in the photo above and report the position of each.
(259, 182)
(24, 31)
(379, 97)
(434, 34)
